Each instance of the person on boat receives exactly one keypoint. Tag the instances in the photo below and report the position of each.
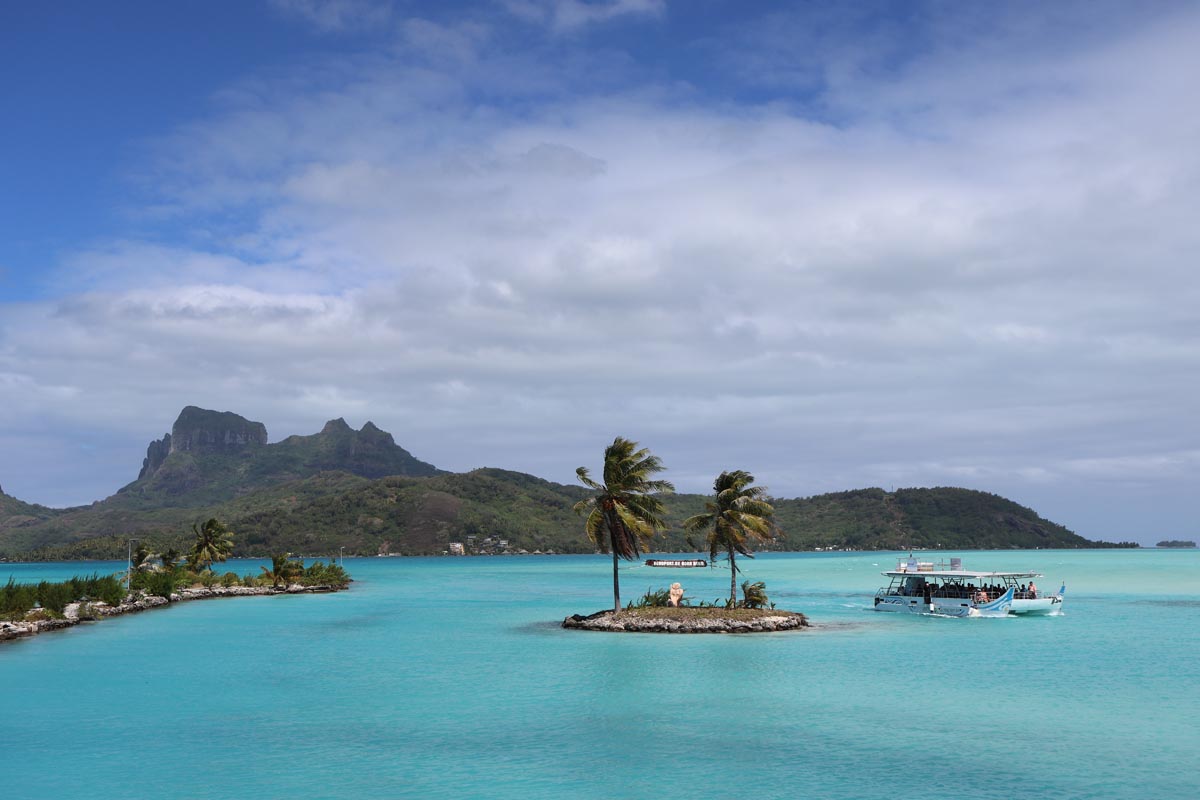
(981, 596)
(1032, 591)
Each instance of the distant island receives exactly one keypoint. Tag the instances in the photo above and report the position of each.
(1176, 543)
(359, 491)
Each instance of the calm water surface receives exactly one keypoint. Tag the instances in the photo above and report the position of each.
(450, 678)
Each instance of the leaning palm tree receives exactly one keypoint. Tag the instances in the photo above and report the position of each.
(624, 511)
(737, 513)
(213, 543)
(169, 558)
(139, 560)
(282, 570)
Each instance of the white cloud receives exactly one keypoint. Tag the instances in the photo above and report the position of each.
(570, 15)
(971, 285)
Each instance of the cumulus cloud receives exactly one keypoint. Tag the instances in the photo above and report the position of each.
(955, 274)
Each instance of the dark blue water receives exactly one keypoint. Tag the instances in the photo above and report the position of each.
(450, 678)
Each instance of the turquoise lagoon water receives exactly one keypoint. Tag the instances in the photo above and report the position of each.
(450, 678)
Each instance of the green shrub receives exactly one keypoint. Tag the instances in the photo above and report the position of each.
(321, 574)
(16, 599)
(755, 594)
(111, 591)
(158, 584)
(207, 579)
(657, 599)
(230, 579)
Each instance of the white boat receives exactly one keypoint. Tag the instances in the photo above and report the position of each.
(922, 587)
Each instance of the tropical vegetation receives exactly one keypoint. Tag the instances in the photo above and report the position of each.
(737, 514)
(282, 570)
(139, 559)
(361, 492)
(50, 598)
(754, 595)
(18, 599)
(214, 543)
(625, 511)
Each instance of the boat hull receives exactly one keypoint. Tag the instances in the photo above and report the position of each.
(1042, 605)
(944, 607)
(902, 605)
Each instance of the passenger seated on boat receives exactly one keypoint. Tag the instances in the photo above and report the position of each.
(981, 596)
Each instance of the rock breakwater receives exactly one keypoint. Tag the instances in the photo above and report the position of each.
(75, 613)
(688, 620)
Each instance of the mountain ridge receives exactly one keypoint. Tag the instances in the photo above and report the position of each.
(359, 490)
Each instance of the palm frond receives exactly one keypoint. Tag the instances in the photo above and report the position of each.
(585, 478)
(594, 527)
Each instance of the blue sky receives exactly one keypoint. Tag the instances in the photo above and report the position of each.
(839, 245)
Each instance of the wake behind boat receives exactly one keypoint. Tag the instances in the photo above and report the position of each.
(921, 587)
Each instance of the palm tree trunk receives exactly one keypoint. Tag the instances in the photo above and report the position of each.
(610, 518)
(616, 584)
(732, 577)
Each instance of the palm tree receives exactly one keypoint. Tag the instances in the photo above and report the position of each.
(738, 514)
(282, 570)
(624, 511)
(139, 560)
(213, 543)
(169, 557)
(755, 594)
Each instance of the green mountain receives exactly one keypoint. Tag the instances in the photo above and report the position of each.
(210, 457)
(361, 491)
(208, 460)
(15, 513)
(941, 518)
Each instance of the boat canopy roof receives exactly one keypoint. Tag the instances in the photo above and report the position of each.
(958, 573)
(950, 571)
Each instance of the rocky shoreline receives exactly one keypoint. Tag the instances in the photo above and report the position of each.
(671, 621)
(75, 613)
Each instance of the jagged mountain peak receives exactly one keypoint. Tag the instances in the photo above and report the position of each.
(210, 456)
(200, 430)
(336, 426)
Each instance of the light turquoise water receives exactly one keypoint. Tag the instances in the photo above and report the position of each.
(450, 678)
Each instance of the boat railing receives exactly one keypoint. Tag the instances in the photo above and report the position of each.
(914, 565)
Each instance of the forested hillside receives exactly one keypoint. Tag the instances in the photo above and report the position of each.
(358, 490)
